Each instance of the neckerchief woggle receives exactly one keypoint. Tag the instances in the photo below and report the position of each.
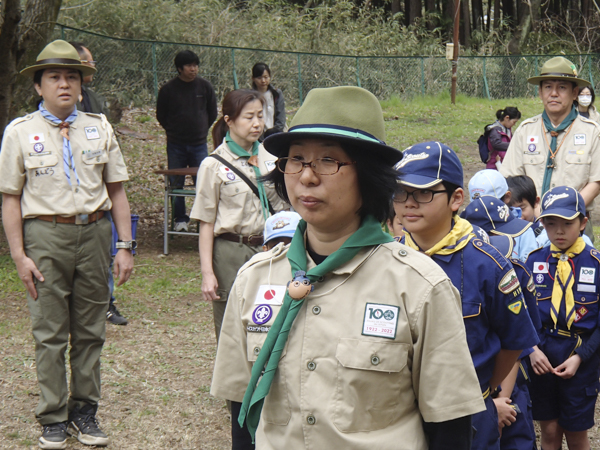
(239, 151)
(369, 234)
(564, 281)
(68, 161)
(459, 236)
(563, 126)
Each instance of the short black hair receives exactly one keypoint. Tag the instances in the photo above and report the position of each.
(376, 182)
(186, 57)
(591, 89)
(37, 76)
(556, 79)
(522, 188)
(450, 189)
(79, 46)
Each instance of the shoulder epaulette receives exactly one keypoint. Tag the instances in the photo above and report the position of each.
(533, 119)
(491, 252)
(595, 254)
(521, 264)
(587, 120)
(19, 120)
(536, 250)
(275, 253)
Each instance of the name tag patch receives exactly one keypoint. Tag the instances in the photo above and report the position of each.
(380, 320)
(35, 138)
(587, 274)
(270, 295)
(540, 267)
(586, 288)
(91, 154)
(92, 133)
(579, 139)
(257, 329)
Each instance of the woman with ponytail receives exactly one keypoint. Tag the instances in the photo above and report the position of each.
(500, 134)
(231, 212)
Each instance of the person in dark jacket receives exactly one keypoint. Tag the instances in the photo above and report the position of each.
(500, 134)
(274, 108)
(186, 108)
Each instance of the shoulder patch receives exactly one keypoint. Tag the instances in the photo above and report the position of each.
(509, 282)
(594, 253)
(515, 307)
(491, 252)
(531, 284)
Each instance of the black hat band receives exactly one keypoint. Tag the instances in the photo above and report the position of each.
(58, 61)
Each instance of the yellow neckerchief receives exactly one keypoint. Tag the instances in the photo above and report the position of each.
(564, 273)
(460, 234)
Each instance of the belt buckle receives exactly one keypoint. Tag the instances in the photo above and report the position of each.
(82, 219)
(251, 237)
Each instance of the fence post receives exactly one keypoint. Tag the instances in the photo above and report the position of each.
(299, 80)
(235, 80)
(422, 76)
(357, 73)
(590, 69)
(154, 70)
(535, 61)
(62, 32)
(485, 82)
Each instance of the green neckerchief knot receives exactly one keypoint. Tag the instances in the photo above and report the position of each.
(239, 151)
(369, 234)
(562, 127)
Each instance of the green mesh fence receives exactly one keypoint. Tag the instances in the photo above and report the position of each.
(134, 70)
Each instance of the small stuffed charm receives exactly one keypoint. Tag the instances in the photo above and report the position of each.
(300, 286)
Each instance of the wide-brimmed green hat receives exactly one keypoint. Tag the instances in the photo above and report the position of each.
(59, 54)
(557, 69)
(345, 114)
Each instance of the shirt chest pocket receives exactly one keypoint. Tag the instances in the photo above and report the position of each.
(369, 381)
(530, 158)
(578, 155)
(41, 162)
(471, 317)
(93, 157)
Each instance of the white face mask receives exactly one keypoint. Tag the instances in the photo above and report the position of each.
(584, 100)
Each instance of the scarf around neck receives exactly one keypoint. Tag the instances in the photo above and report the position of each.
(368, 234)
(459, 236)
(564, 281)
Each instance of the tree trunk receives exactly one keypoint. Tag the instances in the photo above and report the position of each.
(414, 10)
(21, 40)
(497, 9)
(477, 6)
(465, 29)
(527, 15)
(430, 8)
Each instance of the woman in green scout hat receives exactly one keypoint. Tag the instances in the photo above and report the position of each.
(344, 338)
(60, 171)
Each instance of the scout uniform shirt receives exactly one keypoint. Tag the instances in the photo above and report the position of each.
(226, 200)
(577, 160)
(31, 165)
(376, 349)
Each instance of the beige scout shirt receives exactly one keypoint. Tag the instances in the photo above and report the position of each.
(345, 380)
(31, 165)
(577, 161)
(226, 200)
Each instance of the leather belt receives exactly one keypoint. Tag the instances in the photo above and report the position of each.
(254, 240)
(79, 219)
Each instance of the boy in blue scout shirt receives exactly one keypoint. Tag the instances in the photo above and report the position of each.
(566, 368)
(429, 193)
(514, 402)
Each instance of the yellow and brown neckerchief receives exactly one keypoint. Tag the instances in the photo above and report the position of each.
(459, 236)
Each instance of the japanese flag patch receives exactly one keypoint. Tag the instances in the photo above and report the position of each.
(533, 139)
(509, 282)
(270, 295)
(540, 267)
(35, 138)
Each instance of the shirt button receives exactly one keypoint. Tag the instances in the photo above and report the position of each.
(316, 310)
(311, 420)
(402, 252)
(321, 279)
(374, 360)
(553, 185)
(76, 190)
(311, 365)
(531, 161)
(41, 163)
(256, 350)
(237, 190)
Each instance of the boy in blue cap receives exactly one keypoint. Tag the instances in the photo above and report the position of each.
(427, 199)
(565, 384)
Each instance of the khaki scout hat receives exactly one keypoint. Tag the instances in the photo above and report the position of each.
(61, 55)
(345, 114)
(558, 68)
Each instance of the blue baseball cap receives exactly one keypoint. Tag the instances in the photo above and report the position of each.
(494, 216)
(427, 164)
(504, 244)
(562, 201)
(282, 224)
(487, 182)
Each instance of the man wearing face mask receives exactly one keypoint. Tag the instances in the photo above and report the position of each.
(585, 104)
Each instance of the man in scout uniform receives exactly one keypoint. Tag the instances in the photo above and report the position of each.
(498, 328)
(60, 170)
(560, 146)
(565, 383)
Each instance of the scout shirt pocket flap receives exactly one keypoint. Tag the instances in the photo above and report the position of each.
(39, 162)
(98, 156)
(254, 343)
(578, 155)
(367, 354)
(470, 309)
(592, 391)
(585, 298)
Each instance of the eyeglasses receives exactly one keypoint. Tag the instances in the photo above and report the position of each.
(320, 166)
(91, 63)
(419, 196)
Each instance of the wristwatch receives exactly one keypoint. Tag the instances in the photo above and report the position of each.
(128, 245)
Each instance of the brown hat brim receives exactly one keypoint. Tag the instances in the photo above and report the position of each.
(556, 76)
(56, 64)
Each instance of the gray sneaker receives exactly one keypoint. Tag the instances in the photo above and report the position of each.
(84, 426)
(54, 435)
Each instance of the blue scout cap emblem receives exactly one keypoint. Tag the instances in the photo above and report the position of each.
(427, 164)
(562, 201)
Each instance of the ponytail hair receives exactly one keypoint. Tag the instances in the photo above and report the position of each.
(511, 112)
(233, 104)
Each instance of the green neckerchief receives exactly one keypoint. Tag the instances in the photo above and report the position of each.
(369, 234)
(549, 162)
(239, 151)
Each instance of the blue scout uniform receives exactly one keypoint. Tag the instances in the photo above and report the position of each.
(567, 292)
(492, 301)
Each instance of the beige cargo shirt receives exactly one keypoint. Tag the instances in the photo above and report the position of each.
(226, 200)
(31, 165)
(577, 162)
(377, 347)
